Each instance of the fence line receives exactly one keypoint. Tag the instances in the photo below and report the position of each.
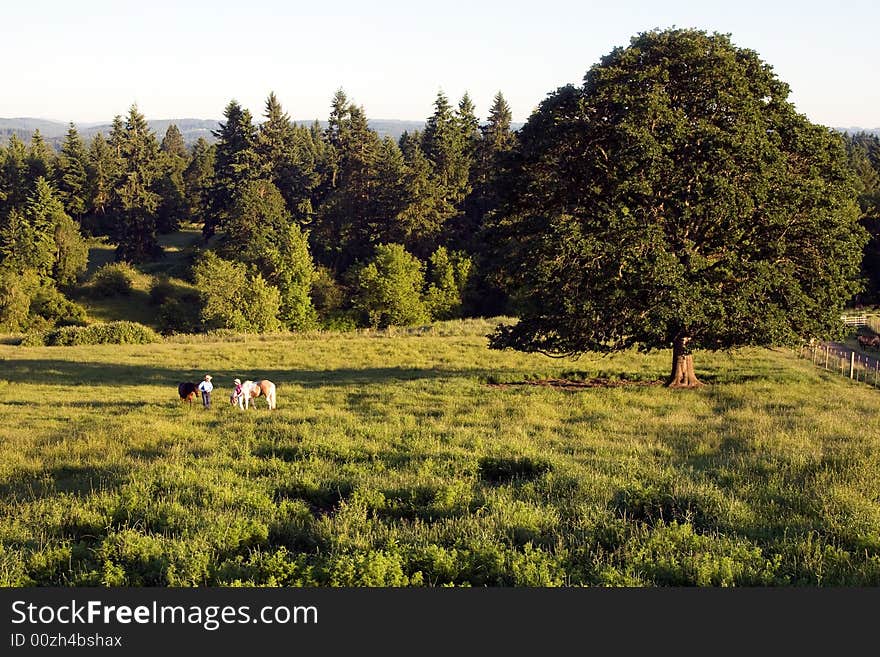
(845, 361)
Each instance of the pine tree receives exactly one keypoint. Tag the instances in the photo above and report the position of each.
(274, 140)
(197, 179)
(294, 272)
(235, 164)
(102, 167)
(169, 185)
(389, 197)
(421, 219)
(133, 202)
(39, 160)
(469, 127)
(72, 174)
(496, 144)
(343, 225)
(444, 144)
(14, 178)
(173, 144)
(286, 158)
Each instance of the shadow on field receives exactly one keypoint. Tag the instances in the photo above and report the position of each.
(63, 372)
(72, 480)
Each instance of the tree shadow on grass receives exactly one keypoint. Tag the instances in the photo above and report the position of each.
(66, 372)
(72, 480)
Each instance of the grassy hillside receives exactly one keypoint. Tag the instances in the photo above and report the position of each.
(136, 307)
(416, 459)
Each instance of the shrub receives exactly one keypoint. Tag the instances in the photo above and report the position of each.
(233, 298)
(109, 333)
(161, 290)
(181, 315)
(389, 288)
(341, 321)
(179, 306)
(16, 290)
(49, 304)
(449, 275)
(113, 279)
(327, 294)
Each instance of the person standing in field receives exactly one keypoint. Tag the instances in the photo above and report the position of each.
(205, 387)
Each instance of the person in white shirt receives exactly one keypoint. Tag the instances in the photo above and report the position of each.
(205, 387)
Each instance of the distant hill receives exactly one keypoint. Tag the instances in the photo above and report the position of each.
(852, 131)
(191, 129)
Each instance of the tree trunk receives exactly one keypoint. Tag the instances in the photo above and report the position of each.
(682, 365)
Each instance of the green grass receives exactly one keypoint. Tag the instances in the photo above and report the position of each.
(391, 461)
(135, 307)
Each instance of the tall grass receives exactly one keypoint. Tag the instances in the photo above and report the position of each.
(392, 461)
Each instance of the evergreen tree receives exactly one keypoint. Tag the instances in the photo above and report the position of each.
(117, 135)
(72, 175)
(274, 140)
(287, 159)
(39, 160)
(389, 197)
(235, 164)
(14, 186)
(422, 216)
(250, 230)
(446, 147)
(469, 127)
(169, 185)
(197, 179)
(40, 215)
(344, 222)
(102, 168)
(294, 272)
(496, 144)
(132, 200)
(42, 238)
(173, 144)
(16, 240)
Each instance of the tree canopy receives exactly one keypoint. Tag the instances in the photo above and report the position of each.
(678, 199)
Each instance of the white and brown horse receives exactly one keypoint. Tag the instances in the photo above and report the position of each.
(250, 390)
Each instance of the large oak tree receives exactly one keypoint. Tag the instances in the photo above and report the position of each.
(677, 199)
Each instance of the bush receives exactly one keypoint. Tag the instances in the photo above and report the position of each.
(162, 290)
(389, 288)
(341, 321)
(49, 304)
(233, 298)
(109, 333)
(327, 295)
(449, 276)
(113, 279)
(181, 315)
(16, 290)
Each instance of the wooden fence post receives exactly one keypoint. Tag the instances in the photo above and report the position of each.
(826, 356)
(852, 363)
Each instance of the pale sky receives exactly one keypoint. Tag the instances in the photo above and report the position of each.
(88, 60)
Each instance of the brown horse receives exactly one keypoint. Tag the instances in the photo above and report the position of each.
(187, 391)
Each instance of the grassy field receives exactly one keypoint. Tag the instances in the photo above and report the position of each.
(404, 459)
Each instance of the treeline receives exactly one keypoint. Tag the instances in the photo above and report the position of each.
(302, 226)
(863, 149)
